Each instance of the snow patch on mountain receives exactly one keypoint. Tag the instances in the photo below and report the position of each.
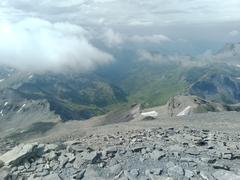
(185, 112)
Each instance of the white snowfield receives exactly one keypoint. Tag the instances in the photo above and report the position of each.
(185, 112)
(1, 80)
(238, 65)
(21, 108)
(6, 103)
(30, 77)
(150, 114)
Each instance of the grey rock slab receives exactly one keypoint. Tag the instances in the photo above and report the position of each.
(78, 161)
(71, 157)
(205, 175)
(193, 151)
(90, 157)
(138, 148)
(134, 172)
(225, 175)
(116, 169)
(50, 147)
(220, 166)
(111, 150)
(175, 171)
(113, 162)
(92, 174)
(156, 171)
(157, 155)
(1, 163)
(4, 173)
(189, 173)
(19, 153)
(52, 177)
(156, 177)
(79, 175)
(50, 156)
(63, 160)
(42, 174)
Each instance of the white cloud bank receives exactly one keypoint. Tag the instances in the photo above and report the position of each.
(38, 45)
(155, 38)
(234, 33)
(111, 38)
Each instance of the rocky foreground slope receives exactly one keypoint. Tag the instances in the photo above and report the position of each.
(153, 154)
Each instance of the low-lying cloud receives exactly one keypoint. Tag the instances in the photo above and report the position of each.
(155, 38)
(112, 38)
(39, 45)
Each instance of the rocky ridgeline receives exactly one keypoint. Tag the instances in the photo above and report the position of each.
(154, 154)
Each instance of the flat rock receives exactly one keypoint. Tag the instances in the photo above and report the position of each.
(91, 157)
(111, 150)
(19, 153)
(138, 148)
(116, 169)
(50, 147)
(226, 175)
(175, 171)
(52, 177)
(157, 155)
(4, 173)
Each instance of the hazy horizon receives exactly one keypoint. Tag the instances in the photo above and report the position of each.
(83, 34)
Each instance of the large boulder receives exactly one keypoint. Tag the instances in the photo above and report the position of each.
(19, 153)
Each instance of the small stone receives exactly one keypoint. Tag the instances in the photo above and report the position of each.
(134, 172)
(227, 156)
(201, 142)
(157, 171)
(116, 169)
(42, 174)
(113, 162)
(1, 163)
(138, 149)
(5, 173)
(91, 157)
(20, 168)
(80, 174)
(51, 156)
(220, 166)
(175, 171)
(193, 151)
(50, 147)
(157, 155)
(71, 157)
(189, 173)
(142, 159)
(205, 175)
(63, 161)
(27, 165)
(111, 150)
(52, 177)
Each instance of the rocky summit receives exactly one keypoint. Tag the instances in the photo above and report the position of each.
(141, 154)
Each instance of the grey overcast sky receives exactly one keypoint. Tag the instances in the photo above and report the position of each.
(174, 26)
